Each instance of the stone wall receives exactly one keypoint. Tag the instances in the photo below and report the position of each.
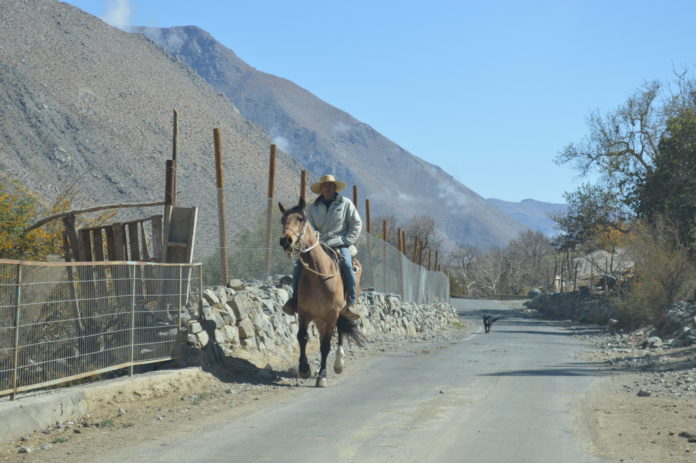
(678, 329)
(246, 318)
(577, 306)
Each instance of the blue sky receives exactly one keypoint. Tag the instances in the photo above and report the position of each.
(490, 91)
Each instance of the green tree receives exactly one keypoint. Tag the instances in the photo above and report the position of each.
(592, 211)
(670, 190)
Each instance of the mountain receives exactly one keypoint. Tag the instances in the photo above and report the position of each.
(532, 213)
(325, 139)
(83, 102)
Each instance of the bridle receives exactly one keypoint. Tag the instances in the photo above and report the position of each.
(298, 249)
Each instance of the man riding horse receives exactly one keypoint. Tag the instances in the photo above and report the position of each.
(337, 220)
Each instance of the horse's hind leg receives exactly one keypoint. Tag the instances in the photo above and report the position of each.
(340, 355)
(302, 338)
(325, 349)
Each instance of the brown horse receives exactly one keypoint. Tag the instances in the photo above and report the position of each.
(320, 292)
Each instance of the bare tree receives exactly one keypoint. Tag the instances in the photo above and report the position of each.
(460, 263)
(532, 249)
(489, 269)
(391, 227)
(424, 227)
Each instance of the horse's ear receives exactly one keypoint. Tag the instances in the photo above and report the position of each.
(281, 207)
(302, 203)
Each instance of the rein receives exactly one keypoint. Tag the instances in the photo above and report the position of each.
(301, 250)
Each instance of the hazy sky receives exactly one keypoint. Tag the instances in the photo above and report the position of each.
(488, 90)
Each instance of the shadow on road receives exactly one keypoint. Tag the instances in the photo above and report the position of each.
(573, 369)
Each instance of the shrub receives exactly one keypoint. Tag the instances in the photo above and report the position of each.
(663, 273)
(18, 209)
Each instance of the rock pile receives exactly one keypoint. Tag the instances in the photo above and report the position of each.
(682, 321)
(662, 371)
(247, 315)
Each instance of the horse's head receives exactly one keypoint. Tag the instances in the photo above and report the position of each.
(295, 223)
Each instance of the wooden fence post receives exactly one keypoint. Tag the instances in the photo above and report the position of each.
(269, 208)
(402, 267)
(222, 232)
(303, 185)
(170, 172)
(18, 303)
(131, 274)
(369, 243)
(385, 238)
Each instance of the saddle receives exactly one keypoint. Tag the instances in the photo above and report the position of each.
(333, 253)
(336, 255)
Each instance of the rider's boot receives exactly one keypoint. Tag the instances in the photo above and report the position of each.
(350, 311)
(290, 306)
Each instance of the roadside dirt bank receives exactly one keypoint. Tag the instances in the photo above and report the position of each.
(645, 409)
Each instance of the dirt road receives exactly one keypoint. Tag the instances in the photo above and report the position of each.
(530, 390)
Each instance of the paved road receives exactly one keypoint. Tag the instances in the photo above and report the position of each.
(501, 397)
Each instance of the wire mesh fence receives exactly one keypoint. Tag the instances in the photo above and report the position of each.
(64, 321)
(252, 255)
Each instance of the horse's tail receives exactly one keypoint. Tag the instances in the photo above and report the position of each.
(350, 330)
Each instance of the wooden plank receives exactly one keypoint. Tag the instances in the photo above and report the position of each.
(167, 220)
(90, 209)
(85, 243)
(120, 249)
(71, 234)
(96, 235)
(145, 252)
(193, 218)
(79, 326)
(100, 274)
(110, 243)
(133, 241)
(180, 234)
(156, 238)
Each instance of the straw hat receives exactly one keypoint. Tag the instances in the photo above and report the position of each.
(324, 179)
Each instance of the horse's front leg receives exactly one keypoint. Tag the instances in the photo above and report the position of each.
(325, 349)
(302, 338)
(340, 355)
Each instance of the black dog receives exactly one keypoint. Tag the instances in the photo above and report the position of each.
(488, 322)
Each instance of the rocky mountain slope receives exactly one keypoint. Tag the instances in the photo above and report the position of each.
(326, 139)
(81, 101)
(532, 213)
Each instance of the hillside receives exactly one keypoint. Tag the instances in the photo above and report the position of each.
(326, 139)
(534, 214)
(83, 102)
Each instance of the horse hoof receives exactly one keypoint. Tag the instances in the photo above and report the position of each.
(338, 369)
(305, 372)
(322, 382)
